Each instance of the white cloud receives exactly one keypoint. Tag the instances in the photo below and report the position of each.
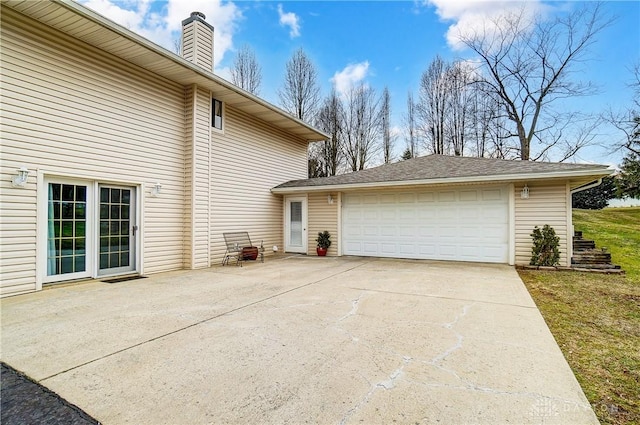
(224, 72)
(291, 20)
(223, 17)
(471, 16)
(161, 21)
(350, 76)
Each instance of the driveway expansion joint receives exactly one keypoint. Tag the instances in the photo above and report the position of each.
(466, 346)
(442, 297)
(200, 322)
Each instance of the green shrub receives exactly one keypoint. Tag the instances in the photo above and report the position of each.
(545, 250)
(324, 239)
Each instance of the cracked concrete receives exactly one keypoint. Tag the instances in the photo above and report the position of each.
(336, 340)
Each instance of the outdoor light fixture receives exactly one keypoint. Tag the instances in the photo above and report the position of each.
(21, 179)
(525, 192)
(329, 199)
(156, 189)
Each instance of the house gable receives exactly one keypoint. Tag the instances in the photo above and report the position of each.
(73, 112)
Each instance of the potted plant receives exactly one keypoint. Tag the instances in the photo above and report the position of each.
(324, 242)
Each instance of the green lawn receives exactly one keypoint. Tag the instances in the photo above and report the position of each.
(618, 230)
(595, 318)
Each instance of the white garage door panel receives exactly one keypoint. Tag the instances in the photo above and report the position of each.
(427, 251)
(388, 248)
(465, 225)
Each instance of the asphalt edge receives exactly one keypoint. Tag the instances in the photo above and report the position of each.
(24, 400)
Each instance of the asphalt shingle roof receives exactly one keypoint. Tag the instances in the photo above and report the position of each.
(442, 167)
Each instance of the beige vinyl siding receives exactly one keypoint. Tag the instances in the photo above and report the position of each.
(247, 160)
(188, 46)
(71, 110)
(201, 178)
(17, 230)
(547, 204)
(322, 216)
(188, 177)
(197, 44)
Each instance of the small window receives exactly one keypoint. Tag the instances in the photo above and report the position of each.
(216, 119)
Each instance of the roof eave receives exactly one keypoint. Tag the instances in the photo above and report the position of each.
(596, 174)
(305, 131)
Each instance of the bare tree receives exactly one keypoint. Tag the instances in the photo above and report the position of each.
(432, 105)
(457, 79)
(410, 124)
(486, 127)
(528, 64)
(300, 93)
(627, 121)
(385, 123)
(315, 164)
(177, 46)
(483, 118)
(246, 72)
(444, 106)
(458, 115)
(330, 119)
(361, 127)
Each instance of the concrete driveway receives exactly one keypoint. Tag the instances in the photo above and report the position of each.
(299, 340)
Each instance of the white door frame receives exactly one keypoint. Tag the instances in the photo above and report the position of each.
(92, 242)
(42, 233)
(288, 247)
(134, 230)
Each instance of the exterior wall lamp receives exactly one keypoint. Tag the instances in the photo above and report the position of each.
(156, 189)
(329, 199)
(21, 179)
(525, 192)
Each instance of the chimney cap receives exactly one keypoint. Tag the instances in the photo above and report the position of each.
(198, 14)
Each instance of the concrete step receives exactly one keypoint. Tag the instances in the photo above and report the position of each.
(596, 262)
(583, 244)
(590, 255)
(596, 266)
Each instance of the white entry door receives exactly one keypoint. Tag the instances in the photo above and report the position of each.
(296, 225)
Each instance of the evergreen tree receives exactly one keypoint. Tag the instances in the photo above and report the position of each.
(597, 197)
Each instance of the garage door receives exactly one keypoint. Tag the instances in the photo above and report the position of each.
(463, 225)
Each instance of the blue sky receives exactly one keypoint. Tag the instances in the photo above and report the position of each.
(382, 43)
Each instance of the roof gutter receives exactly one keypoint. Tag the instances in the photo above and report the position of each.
(130, 35)
(587, 186)
(444, 180)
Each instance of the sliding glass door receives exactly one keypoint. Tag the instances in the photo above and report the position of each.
(91, 230)
(67, 230)
(117, 230)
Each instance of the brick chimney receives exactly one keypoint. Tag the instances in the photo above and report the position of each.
(197, 41)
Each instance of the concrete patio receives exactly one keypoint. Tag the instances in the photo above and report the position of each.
(299, 340)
